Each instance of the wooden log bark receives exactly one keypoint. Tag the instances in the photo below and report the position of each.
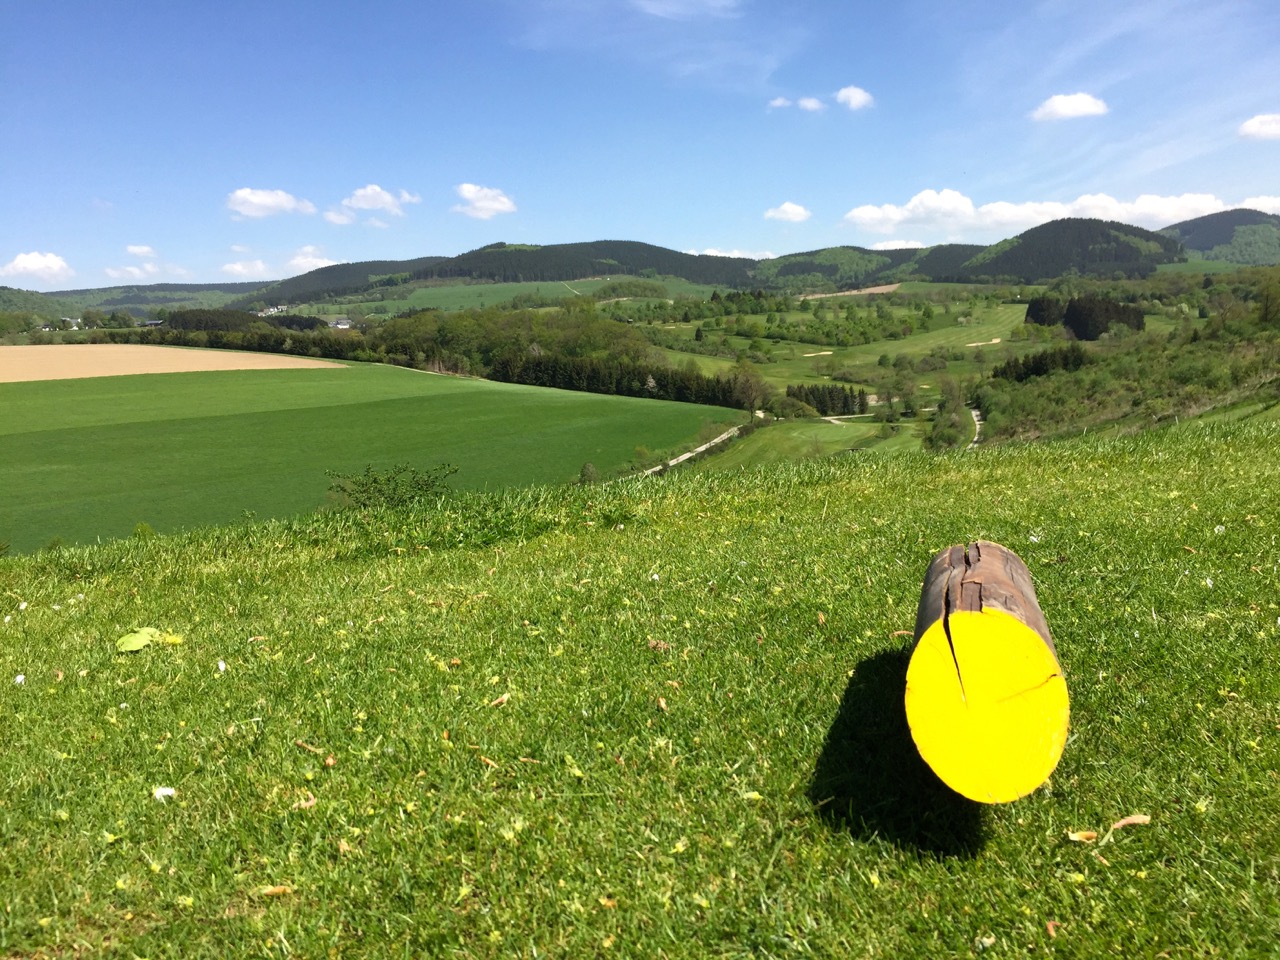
(986, 700)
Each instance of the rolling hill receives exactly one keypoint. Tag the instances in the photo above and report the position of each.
(1088, 247)
(1246, 237)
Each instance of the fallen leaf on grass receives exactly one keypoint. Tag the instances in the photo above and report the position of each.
(822, 618)
(331, 761)
(529, 760)
(306, 804)
(133, 642)
(308, 747)
(902, 633)
(662, 704)
(485, 759)
(500, 700)
(1134, 820)
(1083, 836)
(1052, 927)
(277, 891)
(343, 847)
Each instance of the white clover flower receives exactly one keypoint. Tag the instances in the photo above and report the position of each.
(1219, 529)
(22, 605)
(222, 666)
(20, 679)
(161, 792)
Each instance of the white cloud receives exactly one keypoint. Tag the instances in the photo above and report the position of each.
(47, 267)
(132, 272)
(687, 9)
(140, 250)
(898, 245)
(1265, 126)
(779, 102)
(788, 211)
(1064, 106)
(812, 104)
(855, 98)
(240, 248)
(1265, 204)
(249, 202)
(246, 269)
(951, 211)
(309, 258)
(483, 203)
(748, 254)
(371, 197)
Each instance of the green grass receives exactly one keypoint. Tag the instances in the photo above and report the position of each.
(800, 439)
(674, 721)
(1198, 266)
(93, 458)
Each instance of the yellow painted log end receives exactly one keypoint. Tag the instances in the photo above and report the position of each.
(991, 718)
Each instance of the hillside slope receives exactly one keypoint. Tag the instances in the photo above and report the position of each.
(1243, 236)
(662, 716)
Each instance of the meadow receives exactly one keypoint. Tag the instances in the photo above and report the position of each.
(659, 718)
(95, 457)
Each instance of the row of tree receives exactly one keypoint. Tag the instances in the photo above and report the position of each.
(1087, 317)
(830, 399)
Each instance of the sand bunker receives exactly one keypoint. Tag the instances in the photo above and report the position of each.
(820, 353)
(984, 343)
(75, 360)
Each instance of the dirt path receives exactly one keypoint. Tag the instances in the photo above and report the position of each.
(864, 292)
(977, 427)
(71, 361)
(693, 453)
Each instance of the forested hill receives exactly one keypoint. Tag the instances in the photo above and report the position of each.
(1248, 237)
(338, 280)
(574, 261)
(1099, 248)
(39, 304)
(1088, 247)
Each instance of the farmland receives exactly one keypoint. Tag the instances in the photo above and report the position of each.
(95, 457)
(663, 722)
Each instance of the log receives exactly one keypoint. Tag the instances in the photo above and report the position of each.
(986, 700)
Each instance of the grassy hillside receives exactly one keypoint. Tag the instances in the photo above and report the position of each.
(660, 718)
(93, 458)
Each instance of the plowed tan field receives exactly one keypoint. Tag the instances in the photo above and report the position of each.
(72, 361)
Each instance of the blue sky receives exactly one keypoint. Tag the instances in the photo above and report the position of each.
(201, 141)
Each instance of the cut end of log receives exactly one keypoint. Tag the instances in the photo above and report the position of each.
(987, 704)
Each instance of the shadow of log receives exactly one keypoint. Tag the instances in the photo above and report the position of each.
(871, 780)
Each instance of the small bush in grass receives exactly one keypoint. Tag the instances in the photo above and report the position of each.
(399, 487)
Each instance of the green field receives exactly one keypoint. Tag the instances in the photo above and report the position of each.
(92, 458)
(801, 439)
(660, 718)
(796, 362)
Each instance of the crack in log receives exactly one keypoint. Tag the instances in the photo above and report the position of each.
(946, 628)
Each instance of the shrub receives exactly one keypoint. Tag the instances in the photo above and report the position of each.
(399, 487)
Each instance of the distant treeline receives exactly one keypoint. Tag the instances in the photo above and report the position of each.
(1018, 369)
(830, 399)
(741, 387)
(571, 349)
(1087, 318)
(229, 320)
